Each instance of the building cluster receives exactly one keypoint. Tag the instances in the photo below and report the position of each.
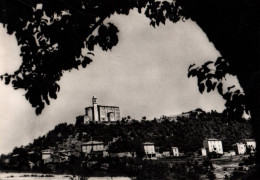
(150, 152)
(50, 155)
(99, 149)
(15, 157)
(245, 146)
(175, 117)
(214, 145)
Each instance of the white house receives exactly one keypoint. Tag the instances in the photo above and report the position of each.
(203, 152)
(232, 152)
(175, 151)
(123, 154)
(47, 155)
(213, 145)
(92, 147)
(166, 154)
(149, 150)
(250, 143)
(240, 148)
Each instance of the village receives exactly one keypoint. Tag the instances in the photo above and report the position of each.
(98, 149)
(111, 114)
(86, 143)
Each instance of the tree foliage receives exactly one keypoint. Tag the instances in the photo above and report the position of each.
(58, 36)
(210, 76)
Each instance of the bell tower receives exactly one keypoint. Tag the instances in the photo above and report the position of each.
(95, 109)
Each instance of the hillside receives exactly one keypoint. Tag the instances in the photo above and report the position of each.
(187, 133)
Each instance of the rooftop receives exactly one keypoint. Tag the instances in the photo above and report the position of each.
(148, 143)
(93, 143)
(212, 139)
(249, 140)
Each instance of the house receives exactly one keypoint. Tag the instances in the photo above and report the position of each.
(213, 145)
(64, 155)
(47, 155)
(123, 154)
(203, 152)
(105, 154)
(158, 155)
(92, 148)
(15, 155)
(251, 144)
(31, 152)
(99, 114)
(56, 158)
(166, 154)
(7, 160)
(31, 164)
(173, 117)
(149, 150)
(175, 151)
(240, 148)
(182, 115)
(232, 152)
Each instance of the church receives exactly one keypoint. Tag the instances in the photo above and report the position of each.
(99, 114)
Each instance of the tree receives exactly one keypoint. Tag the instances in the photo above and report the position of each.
(233, 28)
(58, 36)
(53, 34)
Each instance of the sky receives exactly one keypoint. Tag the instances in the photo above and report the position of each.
(145, 75)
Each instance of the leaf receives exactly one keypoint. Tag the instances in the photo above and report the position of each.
(201, 87)
(58, 87)
(218, 61)
(220, 88)
(112, 28)
(214, 85)
(91, 53)
(191, 66)
(230, 87)
(209, 85)
(52, 94)
(91, 43)
(207, 63)
(86, 61)
(237, 92)
(193, 72)
(39, 109)
(7, 80)
(227, 96)
(152, 23)
(102, 29)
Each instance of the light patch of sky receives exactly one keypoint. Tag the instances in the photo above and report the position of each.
(145, 75)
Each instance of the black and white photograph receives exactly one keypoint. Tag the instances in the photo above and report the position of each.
(129, 89)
